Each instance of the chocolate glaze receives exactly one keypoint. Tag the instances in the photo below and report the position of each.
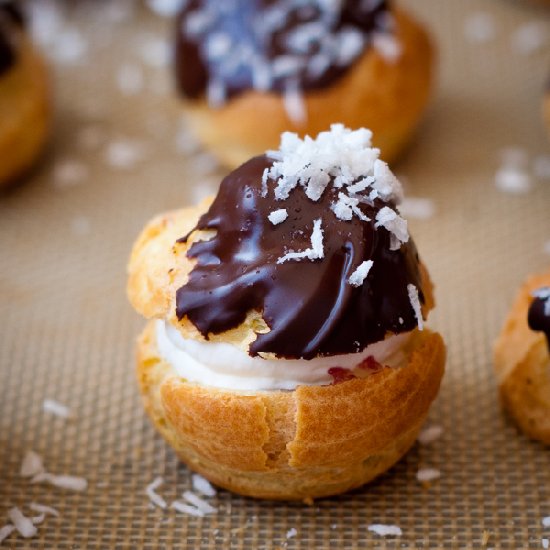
(11, 18)
(308, 305)
(241, 21)
(537, 318)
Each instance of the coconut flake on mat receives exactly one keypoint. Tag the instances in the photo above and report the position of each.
(430, 434)
(124, 153)
(6, 531)
(479, 27)
(154, 497)
(415, 304)
(129, 79)
(513, 180)
(155, 51)
(69, 46)
(428, 474)
(68, 173)
(43, 509)
(165, 8)
(62, 481)
(546, 521)
(278, 216)
(417, 208)
(529, 38)
(202, 485)
(56, 408)
(31, 465)
(199, 502)
(385, 530)
(291, 533)
(22, 523)
(360, 274)
(184, 508)
(545, 543)
(37, 520)
(314, 253)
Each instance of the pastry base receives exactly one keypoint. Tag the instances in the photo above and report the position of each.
(308, 443)
(522, 365)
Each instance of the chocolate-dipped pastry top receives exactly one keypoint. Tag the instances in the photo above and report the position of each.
(223, 48)
(539, 312)
(11, 19)
(299, 272)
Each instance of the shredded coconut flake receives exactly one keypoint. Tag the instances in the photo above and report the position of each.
(43, 509)
(429, 435)
(291, 533)
(415, 303)
(31, 465)
(5, 532)
(428, 474)
(479, 28)
(61, 481)
(165, 8)
(316, 251)
(184, 508)
(69, 173)
(56, 408)
(202, 485)
(124, 154)
(546, 521)
(529, 38)
(154, 497)
(278, 216)
(360, 274)
(395, 224)
(199, 503)
(294, 103)
(512, 179)
(417, 208)
(387, 46)
(385, 530)
(545, 543)
(22, 523)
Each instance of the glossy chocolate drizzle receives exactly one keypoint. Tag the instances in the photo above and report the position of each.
(245, 23)
(309, 306)
(11, 19)
(539, 318)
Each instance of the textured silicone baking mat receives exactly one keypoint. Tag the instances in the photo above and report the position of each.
(120, 153)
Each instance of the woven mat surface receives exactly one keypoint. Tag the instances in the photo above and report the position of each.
(120, 154)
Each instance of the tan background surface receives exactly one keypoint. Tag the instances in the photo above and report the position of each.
(67, 331)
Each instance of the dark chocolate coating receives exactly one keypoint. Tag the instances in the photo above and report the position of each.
(537, 318)
(238, 19)
(309, 306)
(11, 19)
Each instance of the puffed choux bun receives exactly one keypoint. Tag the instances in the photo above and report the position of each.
(249, 71)
(522, 359)
(24, 97)
(285, 355)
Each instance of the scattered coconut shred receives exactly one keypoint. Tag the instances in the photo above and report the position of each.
(57, 409)
(385, 530)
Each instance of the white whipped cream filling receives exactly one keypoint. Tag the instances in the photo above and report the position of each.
(226, 366)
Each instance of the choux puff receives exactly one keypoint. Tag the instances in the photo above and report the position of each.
(251, 69)
(522, 359)
(24, 97)
(285, 356)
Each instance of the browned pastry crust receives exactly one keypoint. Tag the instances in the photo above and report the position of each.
(311, 442)
(387, 97)
(308, 443)
(24, 113)
(522, 365)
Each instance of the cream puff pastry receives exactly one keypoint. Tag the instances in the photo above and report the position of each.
(286, 355)
(522, 359)
(24, 97)
(250, 69)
